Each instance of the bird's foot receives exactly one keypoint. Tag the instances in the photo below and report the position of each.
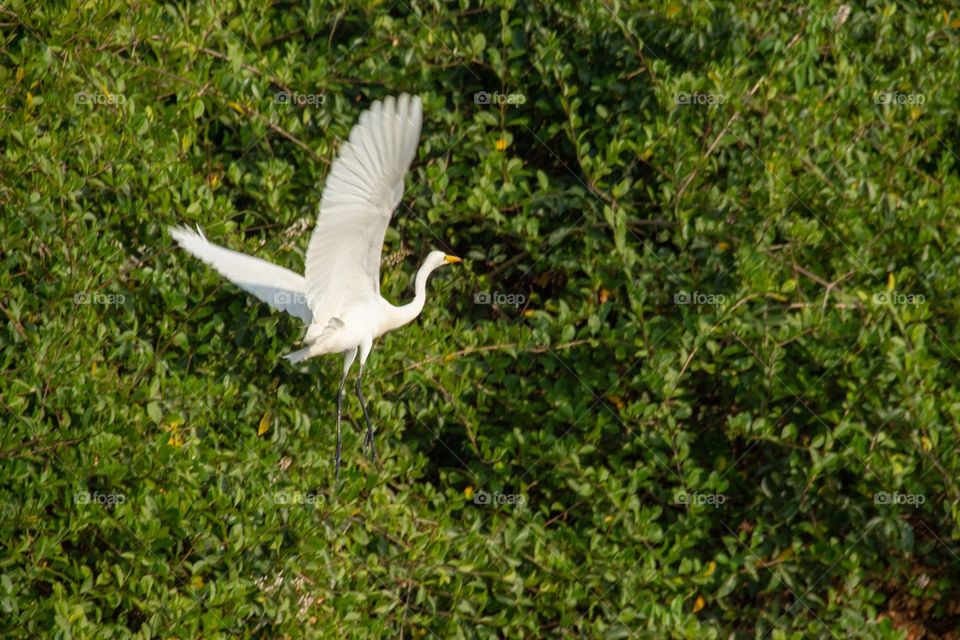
(368, 442)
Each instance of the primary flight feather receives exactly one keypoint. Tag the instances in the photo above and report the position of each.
(339, 298)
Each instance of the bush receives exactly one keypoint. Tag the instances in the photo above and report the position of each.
(696, 379)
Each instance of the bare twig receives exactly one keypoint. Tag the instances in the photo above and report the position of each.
(716, 141)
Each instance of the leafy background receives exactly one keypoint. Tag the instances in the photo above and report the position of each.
(737, 331)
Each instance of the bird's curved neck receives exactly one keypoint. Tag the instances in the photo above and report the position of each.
(408, 312)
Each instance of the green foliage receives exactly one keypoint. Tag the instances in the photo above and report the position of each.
(732, 232)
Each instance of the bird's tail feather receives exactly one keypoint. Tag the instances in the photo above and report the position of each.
(316, 340)
(299, 356)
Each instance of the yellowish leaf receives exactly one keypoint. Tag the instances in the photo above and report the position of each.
(173, 426)
(264, 424)
(468, 493)
(699, 604)
(785, 554)
(711, 567)
(501, 144)
(617, 401)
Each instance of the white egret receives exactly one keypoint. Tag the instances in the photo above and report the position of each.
(338, 297)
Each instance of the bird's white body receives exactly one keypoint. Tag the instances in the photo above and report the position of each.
(363, 323)
(338, 297)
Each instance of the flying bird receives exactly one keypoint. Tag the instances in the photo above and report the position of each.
(338, 297)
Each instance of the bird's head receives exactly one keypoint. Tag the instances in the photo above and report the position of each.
(439, 259)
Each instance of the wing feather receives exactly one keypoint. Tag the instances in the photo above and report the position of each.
(363, 189)
(281, 288)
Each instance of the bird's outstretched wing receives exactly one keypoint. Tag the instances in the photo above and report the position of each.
(364, 187)
(280, 288)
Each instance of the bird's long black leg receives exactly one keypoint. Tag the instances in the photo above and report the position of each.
(368, 441)
(336, 459)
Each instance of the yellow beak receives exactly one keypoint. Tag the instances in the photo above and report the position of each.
(452, 259)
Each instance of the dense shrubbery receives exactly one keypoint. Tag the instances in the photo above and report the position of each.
(723, 388)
